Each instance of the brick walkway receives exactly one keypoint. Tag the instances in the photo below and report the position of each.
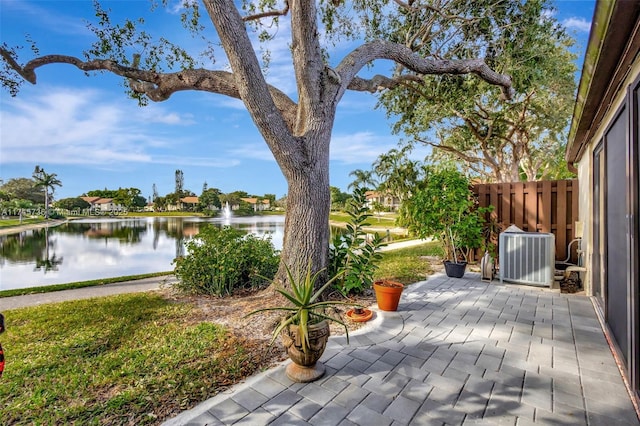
(458, 351)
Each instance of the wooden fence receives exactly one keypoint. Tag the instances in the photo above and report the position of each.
(542, 206)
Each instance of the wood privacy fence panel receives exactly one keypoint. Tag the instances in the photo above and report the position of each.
(542, 206)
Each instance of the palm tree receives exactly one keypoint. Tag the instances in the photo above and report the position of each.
(46, 180)
(399, 175)
(363, 179)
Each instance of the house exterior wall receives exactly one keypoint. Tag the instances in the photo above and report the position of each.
(585, 168)
(603, 144)
(109, 207)
(585, 206)
(386, 200)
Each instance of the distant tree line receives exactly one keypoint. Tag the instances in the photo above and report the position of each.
(22, 194)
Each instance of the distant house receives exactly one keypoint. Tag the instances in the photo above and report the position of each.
(188, 203)
(104, 205)
(257, 204)
(185, 203)
(387, 200)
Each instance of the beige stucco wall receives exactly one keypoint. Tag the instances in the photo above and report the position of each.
(585, 174)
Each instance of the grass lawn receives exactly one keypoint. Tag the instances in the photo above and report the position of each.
(5, 223)
(128, 359)
(374, 221)
(408, 265)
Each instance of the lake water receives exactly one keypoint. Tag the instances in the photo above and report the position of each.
(90, 249)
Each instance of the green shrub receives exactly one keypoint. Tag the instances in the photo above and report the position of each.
(219, 261)
(446, 209)
(351, 254)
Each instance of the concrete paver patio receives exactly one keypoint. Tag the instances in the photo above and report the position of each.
(457, 352)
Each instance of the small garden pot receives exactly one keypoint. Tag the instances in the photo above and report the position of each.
(359, 314)
(455, 269)
(388, 294)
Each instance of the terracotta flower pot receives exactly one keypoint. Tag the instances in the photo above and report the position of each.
(388, 294)
(305, 366)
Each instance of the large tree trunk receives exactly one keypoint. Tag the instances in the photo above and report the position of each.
(306, 233)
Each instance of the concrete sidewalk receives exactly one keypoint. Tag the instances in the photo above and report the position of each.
(458, 351)
(403, 244)
(145, 284)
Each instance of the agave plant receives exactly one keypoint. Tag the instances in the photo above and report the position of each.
(305, 309)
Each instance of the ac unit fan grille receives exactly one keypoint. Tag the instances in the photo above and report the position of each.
(527, 258)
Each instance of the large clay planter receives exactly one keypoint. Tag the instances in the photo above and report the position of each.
(305, 367)
(388, 294)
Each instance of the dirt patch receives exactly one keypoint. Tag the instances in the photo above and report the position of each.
(232, 312)
(435, 263)
(254, 333)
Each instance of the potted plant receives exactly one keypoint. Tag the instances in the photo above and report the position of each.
(388, 294)
(445, 208)
(304, 329)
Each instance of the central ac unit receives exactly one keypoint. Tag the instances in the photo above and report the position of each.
(527, 258)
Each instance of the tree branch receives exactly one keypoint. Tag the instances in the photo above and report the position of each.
(380, 82)
(270, 13)
(380, 49)
(157, 86)
(451, 150)
(308, 64)
(471, 124)
(487, 159)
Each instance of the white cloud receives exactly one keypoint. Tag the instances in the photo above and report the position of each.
(153, 114)
(56, 22)
(65, 126)
(179, 6)
(578, 24)
(361, 147)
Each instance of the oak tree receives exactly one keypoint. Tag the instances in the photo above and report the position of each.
(22, 189)
(467, 120)
(297, 129)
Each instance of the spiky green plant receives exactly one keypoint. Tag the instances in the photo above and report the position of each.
(304, 309)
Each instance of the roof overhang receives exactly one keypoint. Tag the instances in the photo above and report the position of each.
(614, 42)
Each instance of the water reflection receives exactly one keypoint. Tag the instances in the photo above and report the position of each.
(33, 246)
(100, 248)
(50, 262)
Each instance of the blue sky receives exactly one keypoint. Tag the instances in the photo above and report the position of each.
(92, 136)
